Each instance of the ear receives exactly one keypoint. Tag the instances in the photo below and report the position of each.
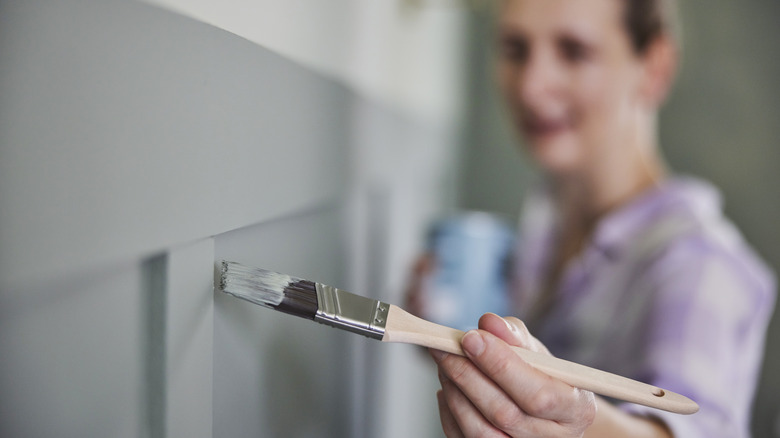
(660, 69)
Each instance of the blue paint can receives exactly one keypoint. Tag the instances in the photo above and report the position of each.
(473, 255)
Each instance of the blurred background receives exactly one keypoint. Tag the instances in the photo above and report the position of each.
(140, 141)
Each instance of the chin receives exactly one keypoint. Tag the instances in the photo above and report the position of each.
(556, 156)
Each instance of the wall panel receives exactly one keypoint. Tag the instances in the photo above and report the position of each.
(137, 147)
(188, 335)
(72, 355)
(118, 115)
(277, 375)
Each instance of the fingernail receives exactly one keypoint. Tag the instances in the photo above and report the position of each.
(473, 344)
(438, 355)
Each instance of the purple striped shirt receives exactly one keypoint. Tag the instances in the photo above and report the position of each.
(666, 292)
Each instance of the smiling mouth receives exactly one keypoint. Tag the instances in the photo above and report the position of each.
(534, 127)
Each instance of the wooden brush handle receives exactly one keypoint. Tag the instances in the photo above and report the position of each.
(406, 328)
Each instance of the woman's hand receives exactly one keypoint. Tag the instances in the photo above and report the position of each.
(493, 392)
(414, 301)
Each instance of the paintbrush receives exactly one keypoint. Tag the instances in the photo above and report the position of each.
(388, 323)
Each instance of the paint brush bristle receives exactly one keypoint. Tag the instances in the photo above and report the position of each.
(269, 289)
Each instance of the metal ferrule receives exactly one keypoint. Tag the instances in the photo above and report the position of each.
(351, 312)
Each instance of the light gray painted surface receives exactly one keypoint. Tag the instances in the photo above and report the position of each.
(276, 375)
(72, 356)
(120, 123)
(405, 181)
(137, 147)
(189, 340)
(128, 137)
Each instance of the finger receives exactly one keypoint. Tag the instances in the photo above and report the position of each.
(536, 393)
(421, 268)
(512, 331)
(470, 421)
(478, 398)
(448, 423)
(521, 330)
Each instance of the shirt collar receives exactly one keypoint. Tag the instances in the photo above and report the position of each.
(618, 229)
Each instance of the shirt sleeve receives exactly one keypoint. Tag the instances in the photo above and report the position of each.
(705, 337)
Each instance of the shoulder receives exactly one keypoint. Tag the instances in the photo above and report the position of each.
(700, 255)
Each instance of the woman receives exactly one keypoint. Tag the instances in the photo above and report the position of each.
(622, 267)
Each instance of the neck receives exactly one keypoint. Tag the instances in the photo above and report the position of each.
(611, 180)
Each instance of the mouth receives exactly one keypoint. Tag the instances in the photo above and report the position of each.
(539, 127)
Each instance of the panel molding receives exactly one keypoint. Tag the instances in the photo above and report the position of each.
(126, 129)
(189, 341)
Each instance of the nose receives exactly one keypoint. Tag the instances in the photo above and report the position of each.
(535, 80)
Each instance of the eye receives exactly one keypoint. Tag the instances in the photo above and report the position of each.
(514, 48)
(573, 50)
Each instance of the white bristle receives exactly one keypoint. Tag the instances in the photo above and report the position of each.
(259, 286)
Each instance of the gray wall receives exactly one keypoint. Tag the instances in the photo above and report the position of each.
(720, 124)
(129, 138)
(138, 147)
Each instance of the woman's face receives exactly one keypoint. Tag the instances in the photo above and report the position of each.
(571, 78)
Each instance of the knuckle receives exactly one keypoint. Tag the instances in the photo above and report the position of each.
(542, 402)
(499, 366)
(456, 368)
(507, 417)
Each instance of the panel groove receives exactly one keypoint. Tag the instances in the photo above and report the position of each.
(155, 394)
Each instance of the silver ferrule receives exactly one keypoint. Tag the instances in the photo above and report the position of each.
(351, 312)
